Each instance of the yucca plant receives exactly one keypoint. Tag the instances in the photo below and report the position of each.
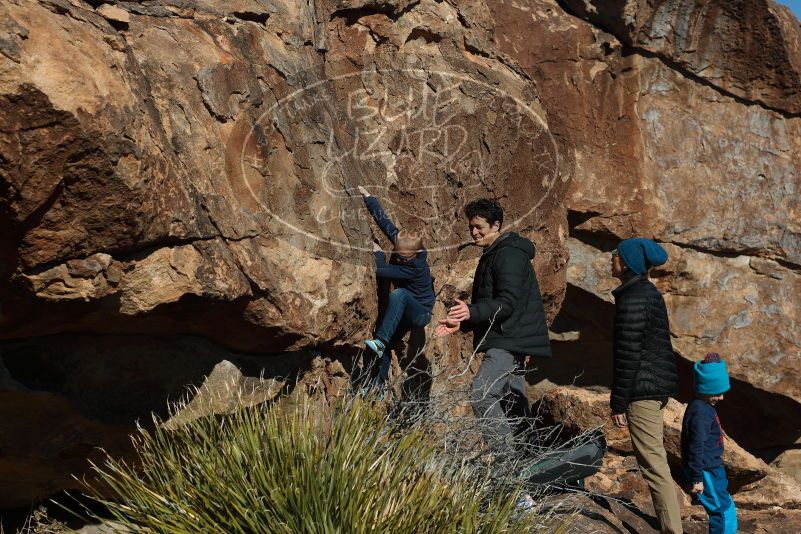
(304, 468)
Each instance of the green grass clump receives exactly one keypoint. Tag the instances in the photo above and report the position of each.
(304, 469)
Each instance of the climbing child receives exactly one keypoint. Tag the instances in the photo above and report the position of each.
(702, 445)
(411, 301)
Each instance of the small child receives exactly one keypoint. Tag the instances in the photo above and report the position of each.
(702, 445)
(412, 300)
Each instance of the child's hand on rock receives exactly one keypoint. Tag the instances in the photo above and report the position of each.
(363, 192)
(698, 487)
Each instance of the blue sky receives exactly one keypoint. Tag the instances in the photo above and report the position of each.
(795, 5)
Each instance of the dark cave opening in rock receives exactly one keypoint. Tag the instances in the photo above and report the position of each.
(64, 396)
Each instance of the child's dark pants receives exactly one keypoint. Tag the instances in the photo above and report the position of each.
(403, 313)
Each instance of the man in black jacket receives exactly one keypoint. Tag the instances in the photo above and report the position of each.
(644, 370)
(506, 317)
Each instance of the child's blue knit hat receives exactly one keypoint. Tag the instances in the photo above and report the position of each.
(710, 375)
(640, 254)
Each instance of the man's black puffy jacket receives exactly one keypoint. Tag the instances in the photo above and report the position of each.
(644, 361)
(506, 300)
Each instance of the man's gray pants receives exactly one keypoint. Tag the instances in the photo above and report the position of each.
(499, 383)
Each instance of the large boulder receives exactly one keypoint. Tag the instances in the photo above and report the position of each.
(789, 461)
(704, 40)
(684, 118)
(158, 160)
(173, 169)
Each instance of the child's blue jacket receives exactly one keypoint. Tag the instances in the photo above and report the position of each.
(701, 440)
(413, 275)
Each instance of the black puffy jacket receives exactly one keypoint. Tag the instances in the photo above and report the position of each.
(644, 362)
(506, 300)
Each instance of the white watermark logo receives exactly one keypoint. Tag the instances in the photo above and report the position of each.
(424, 143)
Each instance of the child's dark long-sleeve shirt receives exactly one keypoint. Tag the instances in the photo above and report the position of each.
(413, 275)
(701, 440)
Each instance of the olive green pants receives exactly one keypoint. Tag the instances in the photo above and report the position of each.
(646, 425)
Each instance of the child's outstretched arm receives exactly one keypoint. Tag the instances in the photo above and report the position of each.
(379, 215)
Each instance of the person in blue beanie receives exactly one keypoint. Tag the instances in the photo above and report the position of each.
(640, 254)
(702, 445)
(412, 300)
(644, 370)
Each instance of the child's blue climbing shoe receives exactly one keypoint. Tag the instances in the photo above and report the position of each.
(375, 345)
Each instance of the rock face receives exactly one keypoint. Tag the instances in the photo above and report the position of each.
(178, 169)
(177, 188)
(210, 157)
(749, 49)
(685, 132)
(649, 129)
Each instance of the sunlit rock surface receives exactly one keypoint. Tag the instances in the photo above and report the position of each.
(177, 189)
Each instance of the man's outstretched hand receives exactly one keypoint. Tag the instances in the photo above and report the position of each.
(446, 327)
(363, 192)
(460, 312)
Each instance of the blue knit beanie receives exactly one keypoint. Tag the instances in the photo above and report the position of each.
(710, 375)
(640, 254)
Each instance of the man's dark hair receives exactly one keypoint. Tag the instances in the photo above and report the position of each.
(487, 208)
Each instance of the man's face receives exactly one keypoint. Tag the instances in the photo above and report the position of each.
(483, 233)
